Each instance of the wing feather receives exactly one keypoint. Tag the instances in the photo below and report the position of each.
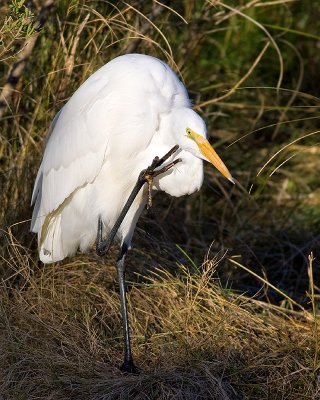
(113, 115)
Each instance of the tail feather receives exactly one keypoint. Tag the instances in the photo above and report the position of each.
(51, 248)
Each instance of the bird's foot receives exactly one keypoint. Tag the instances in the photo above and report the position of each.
(150, 173)
(128, 367)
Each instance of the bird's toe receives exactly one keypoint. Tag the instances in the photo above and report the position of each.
(130, 368)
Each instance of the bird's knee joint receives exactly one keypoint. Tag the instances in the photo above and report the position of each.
(99, 252)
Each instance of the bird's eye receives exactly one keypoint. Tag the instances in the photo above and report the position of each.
(188, 131)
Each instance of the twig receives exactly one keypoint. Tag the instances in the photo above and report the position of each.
(314, 311)
(16, 71)
(70, 58)
(267, 283)
(156, 11)
(235, 87)
(284, 147)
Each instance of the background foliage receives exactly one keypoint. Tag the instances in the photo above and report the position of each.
(251, 68)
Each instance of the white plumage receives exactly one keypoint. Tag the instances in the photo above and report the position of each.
(132, 109)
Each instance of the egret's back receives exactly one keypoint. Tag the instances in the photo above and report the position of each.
(98, 144)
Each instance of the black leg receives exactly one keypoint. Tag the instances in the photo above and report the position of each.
(102, 246)
(128, 365)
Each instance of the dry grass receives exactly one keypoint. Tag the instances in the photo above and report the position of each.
(242, 324)
(61, 337)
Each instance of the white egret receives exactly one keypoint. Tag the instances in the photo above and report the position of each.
(96, 159)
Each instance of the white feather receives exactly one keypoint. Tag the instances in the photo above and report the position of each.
(113, 126)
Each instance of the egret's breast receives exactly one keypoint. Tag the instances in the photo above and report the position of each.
(185, 178)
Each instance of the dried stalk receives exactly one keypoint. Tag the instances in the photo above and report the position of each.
(16, 70)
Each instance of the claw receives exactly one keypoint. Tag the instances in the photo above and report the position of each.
(149, 173)
(130, 368)
(149, 180)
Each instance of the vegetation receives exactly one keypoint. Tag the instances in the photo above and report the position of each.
(224, 292)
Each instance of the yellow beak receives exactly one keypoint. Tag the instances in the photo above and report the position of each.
(210, 154)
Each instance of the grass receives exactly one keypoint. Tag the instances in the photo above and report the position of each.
(62, 335)
(224, 294)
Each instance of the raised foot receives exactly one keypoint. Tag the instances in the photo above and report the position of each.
(150, 173)
(130, 368)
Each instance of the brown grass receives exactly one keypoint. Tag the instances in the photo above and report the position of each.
(61, 336)
(232, 310)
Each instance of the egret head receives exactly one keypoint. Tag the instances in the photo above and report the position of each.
(192, 137)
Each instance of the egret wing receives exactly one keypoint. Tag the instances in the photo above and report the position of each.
(113, 115)
(76, 147)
